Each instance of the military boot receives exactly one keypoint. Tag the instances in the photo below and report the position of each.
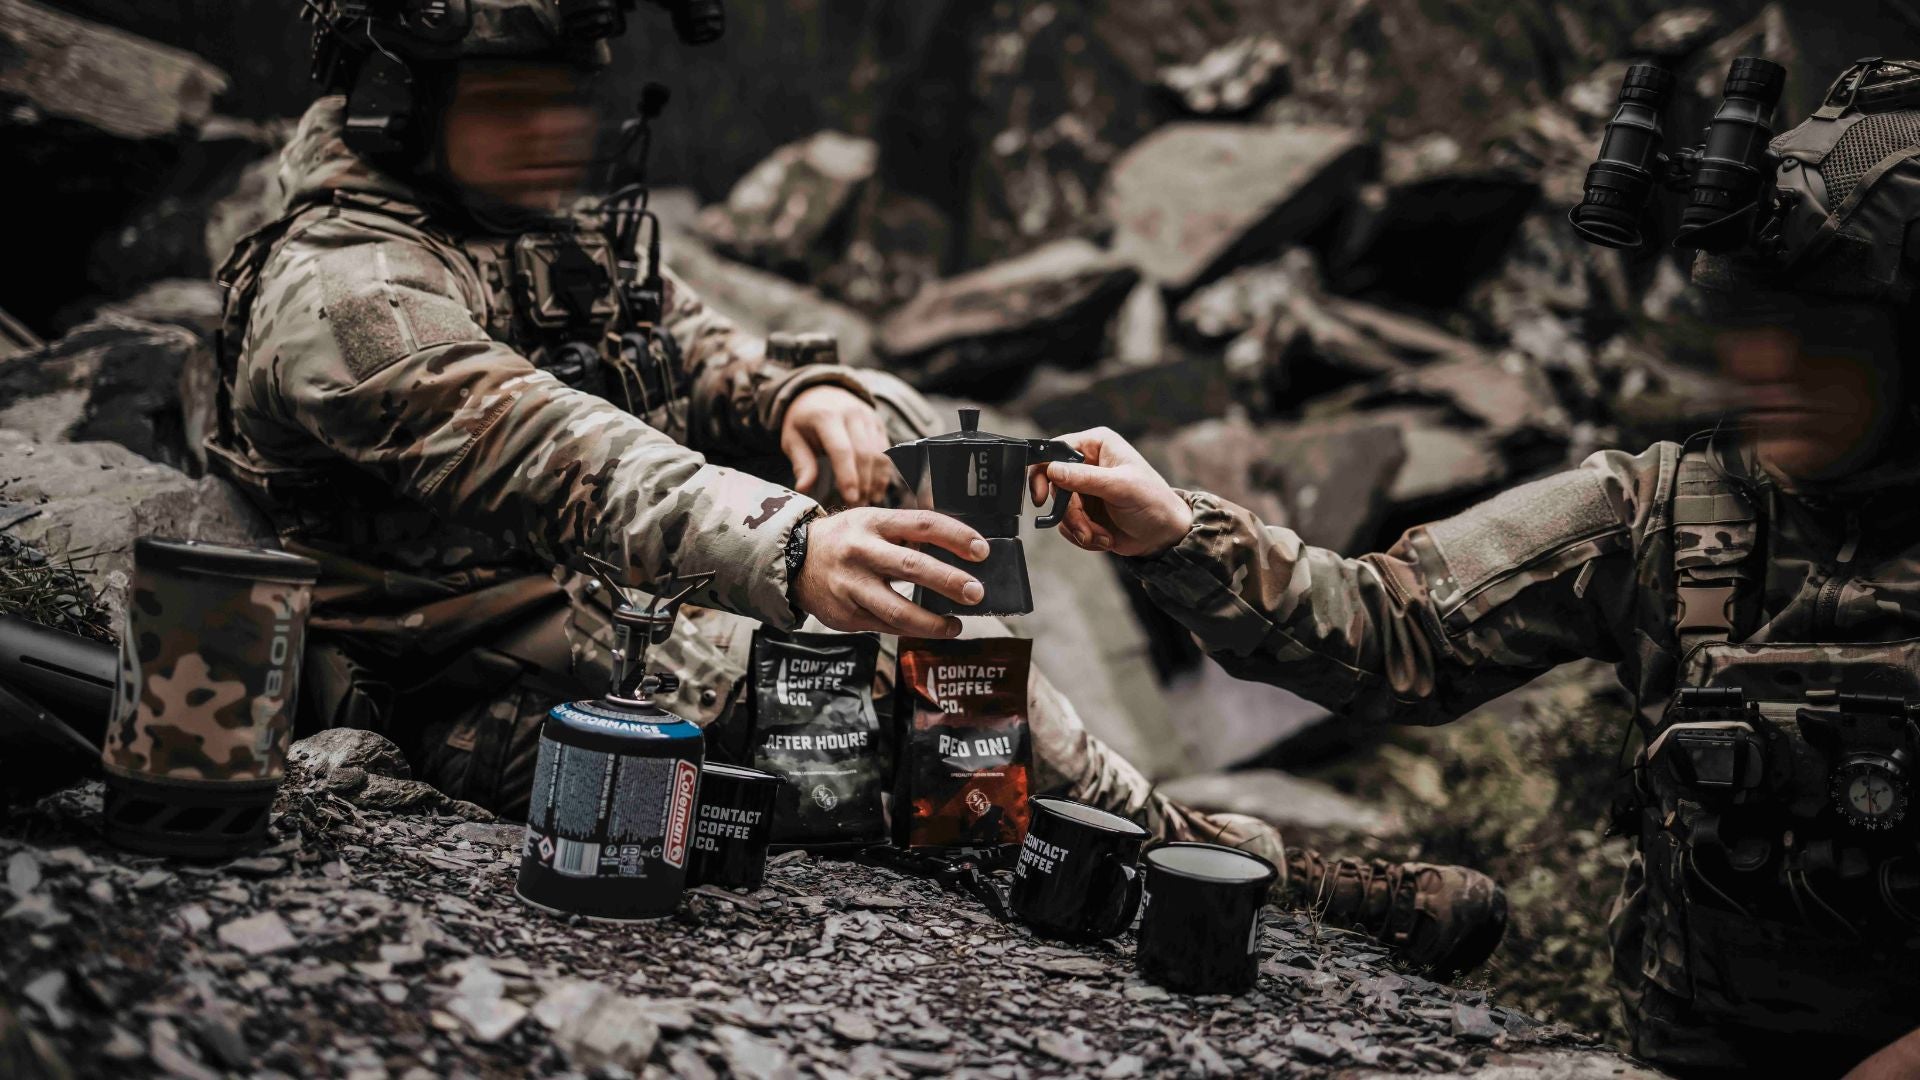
(1445, 918)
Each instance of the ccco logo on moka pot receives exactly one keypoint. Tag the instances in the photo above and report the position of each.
(210, 649)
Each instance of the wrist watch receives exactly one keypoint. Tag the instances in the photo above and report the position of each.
(796, 553)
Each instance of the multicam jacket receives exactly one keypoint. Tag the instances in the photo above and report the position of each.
(382, 412)
(1597, 563)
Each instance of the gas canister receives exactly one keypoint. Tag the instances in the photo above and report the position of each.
(616, 785)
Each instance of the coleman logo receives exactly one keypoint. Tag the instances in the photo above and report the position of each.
(680, 812)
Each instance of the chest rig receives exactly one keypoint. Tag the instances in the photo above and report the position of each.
(1781, 850)
(563, 299)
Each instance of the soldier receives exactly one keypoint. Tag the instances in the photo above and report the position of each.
(1758, 589)
(450, 391)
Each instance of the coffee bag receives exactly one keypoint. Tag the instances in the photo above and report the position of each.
(814, 727)
(965, 753)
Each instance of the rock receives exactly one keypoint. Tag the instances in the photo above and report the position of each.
(1447, 465)
(15, 337)
(1333, 478)
(1433, 229)
(1221, 457)
(1232, 80)
(1070, 1046)
(1475, 1022)
(63, 68)
(1295, 341)
(854, 1026)
(36, 911)
(1245, 718)
(258, 935)
(899, 245)
(480, 1003)
(1075, 967)
(978, 333)
(192, 304)
(323, 752)
(1289, 801)
(43, 392)
(369, 771)
(1139, 332)
(596, 1027)
(221, 186)
(1504, 395)
(1194, 200)
(134, 397)
(789, 213)
(46, 991)
(95, 498)
(1178, 391)
(26, 1054)
(752, 1057)
(1673, 35)
(762, 303)
(23, 873)
(1248, 296)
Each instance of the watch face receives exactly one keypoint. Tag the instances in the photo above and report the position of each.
(1870, 794)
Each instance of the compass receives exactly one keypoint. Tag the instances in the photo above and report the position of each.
(1870, 790)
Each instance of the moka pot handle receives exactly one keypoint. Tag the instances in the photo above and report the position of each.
(1041, 451)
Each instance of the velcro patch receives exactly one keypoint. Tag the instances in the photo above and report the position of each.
(1511, 531)
(403, 300)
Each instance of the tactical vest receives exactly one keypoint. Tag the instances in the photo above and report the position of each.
(1781, 856)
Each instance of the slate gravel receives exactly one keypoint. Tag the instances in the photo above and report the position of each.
(365, 944)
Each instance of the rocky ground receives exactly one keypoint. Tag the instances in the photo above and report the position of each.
(1312, 256)
(366, 943)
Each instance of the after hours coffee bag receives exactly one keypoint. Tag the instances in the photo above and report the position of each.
(814, 727)
(965, 756)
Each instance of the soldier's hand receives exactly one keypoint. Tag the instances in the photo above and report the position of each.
(854, 556)
(831, 421)
(1120, 503)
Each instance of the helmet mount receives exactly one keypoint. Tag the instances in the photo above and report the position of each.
(380, 53)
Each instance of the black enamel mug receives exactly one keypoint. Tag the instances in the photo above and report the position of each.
(1076, 877)
(732, 827)
(1200, 918)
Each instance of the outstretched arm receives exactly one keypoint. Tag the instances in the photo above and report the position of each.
(1454, 614)
(364, 348)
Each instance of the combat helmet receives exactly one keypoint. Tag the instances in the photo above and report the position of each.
(389, 56)
(1826, 209)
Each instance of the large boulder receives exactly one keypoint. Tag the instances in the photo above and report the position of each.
(221, 187)
(1194, 200)
(92, 500)
(789, 213)
(1134, 400)
(91, 120)
(115, 379)
(763, 303)
(1433, 226)
(978, 334)
(62, 68)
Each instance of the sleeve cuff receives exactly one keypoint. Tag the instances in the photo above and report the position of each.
(748, 557)
(806, 378)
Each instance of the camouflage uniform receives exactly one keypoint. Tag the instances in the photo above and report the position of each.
(1602, 562)
(394, 409)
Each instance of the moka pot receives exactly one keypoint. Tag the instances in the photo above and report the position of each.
(981, 479)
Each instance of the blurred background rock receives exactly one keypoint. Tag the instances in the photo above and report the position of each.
(1312, 255)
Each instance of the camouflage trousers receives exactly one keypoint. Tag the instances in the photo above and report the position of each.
(469, 721)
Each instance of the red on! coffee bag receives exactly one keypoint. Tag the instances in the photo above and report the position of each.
(965, 756)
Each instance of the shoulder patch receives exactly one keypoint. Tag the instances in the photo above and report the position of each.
(1517, 538)
(387, 301)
